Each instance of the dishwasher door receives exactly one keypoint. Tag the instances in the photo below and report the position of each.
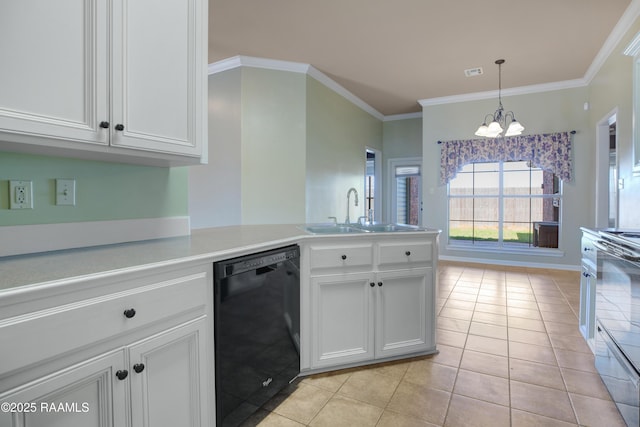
(257, 330)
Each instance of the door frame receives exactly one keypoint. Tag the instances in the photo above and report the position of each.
(602, 168)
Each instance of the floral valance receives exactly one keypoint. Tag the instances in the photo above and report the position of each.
(550, 152)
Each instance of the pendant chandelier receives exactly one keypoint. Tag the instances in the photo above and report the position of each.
(499, 118)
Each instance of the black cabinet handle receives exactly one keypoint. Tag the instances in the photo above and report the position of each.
(372, 284)
(122, 374)
(379, 283)
(119, 126)
(343, 257)
(587, 249)
(104, 125)
(407, 253)
(129, 313)
(138, 367)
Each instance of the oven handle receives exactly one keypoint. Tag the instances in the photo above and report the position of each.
(615, 351)
(615, 251)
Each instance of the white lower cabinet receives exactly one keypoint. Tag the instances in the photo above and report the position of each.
(166, 372)
(384, 311)
(342, 319)
(149, 364)
(403, 305)
(84, 395)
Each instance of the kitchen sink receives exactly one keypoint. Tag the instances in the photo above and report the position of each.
(388, 228)
(333, 229)
(358, 228)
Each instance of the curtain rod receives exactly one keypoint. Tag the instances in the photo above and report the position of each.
(573, 132)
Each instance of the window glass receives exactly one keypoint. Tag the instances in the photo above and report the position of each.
(504, 204)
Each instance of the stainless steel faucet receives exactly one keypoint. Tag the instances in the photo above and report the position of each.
(346, 221)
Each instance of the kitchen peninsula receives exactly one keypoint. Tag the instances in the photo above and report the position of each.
(125, 327)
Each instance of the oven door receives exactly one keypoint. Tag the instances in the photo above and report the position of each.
(619, 376)
(617, 338)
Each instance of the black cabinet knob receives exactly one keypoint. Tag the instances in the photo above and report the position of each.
(129, 313)
(119, 126)
(104, 125)
(343, 257)
(122, 374)
(138, 367)
(372, 284)
(407, 253)
(379, 283)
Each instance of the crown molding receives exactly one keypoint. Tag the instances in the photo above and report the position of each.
(622, 27)
(405, 116)
(295, 67)
(522, 90)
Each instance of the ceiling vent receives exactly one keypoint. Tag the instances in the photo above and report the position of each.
(472, 72)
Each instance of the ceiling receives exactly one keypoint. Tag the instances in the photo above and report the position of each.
(392, 53)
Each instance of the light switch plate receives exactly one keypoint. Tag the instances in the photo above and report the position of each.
(20, 195)
(65, 192)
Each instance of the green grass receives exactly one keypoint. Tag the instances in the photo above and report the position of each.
(490, 235)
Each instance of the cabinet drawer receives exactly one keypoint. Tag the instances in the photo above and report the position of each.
(404, 254)
(588, 250)
(346, 257)
(36, 336)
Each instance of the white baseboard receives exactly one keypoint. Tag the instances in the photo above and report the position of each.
(510, 263)
(26, 239)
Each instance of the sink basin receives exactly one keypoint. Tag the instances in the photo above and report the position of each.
(358, 228)
(388, 228)
(333, 229)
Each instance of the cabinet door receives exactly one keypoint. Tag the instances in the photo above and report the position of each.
(53, 77)
(84, 395)
(159, 75)
(169, 378)
(404, 307)
(342, 319)
(587, 304)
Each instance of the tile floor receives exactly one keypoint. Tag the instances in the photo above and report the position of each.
(510, 354)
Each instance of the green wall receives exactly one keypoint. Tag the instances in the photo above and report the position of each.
(104, 191)
(273, 146)
(338, 133)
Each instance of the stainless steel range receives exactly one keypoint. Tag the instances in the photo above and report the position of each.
(618, 319)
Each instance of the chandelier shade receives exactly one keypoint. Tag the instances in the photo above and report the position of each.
(498, 121)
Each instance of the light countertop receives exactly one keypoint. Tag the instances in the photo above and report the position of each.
(207, 245)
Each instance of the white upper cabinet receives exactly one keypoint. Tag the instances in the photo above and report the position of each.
(117, 81)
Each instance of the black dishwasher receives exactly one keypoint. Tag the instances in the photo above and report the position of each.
(257, 330)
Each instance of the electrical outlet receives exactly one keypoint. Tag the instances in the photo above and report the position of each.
(20, 195)
(65, 192)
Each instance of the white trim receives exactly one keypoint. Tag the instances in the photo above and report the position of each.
(492, 94)
(27, 239)
(622, 27)
(405, 116)
(476, 260)
(295, 67)
(624, 24)
(633, 48)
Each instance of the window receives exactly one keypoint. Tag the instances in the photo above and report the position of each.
(504, 204)
(406, 193)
